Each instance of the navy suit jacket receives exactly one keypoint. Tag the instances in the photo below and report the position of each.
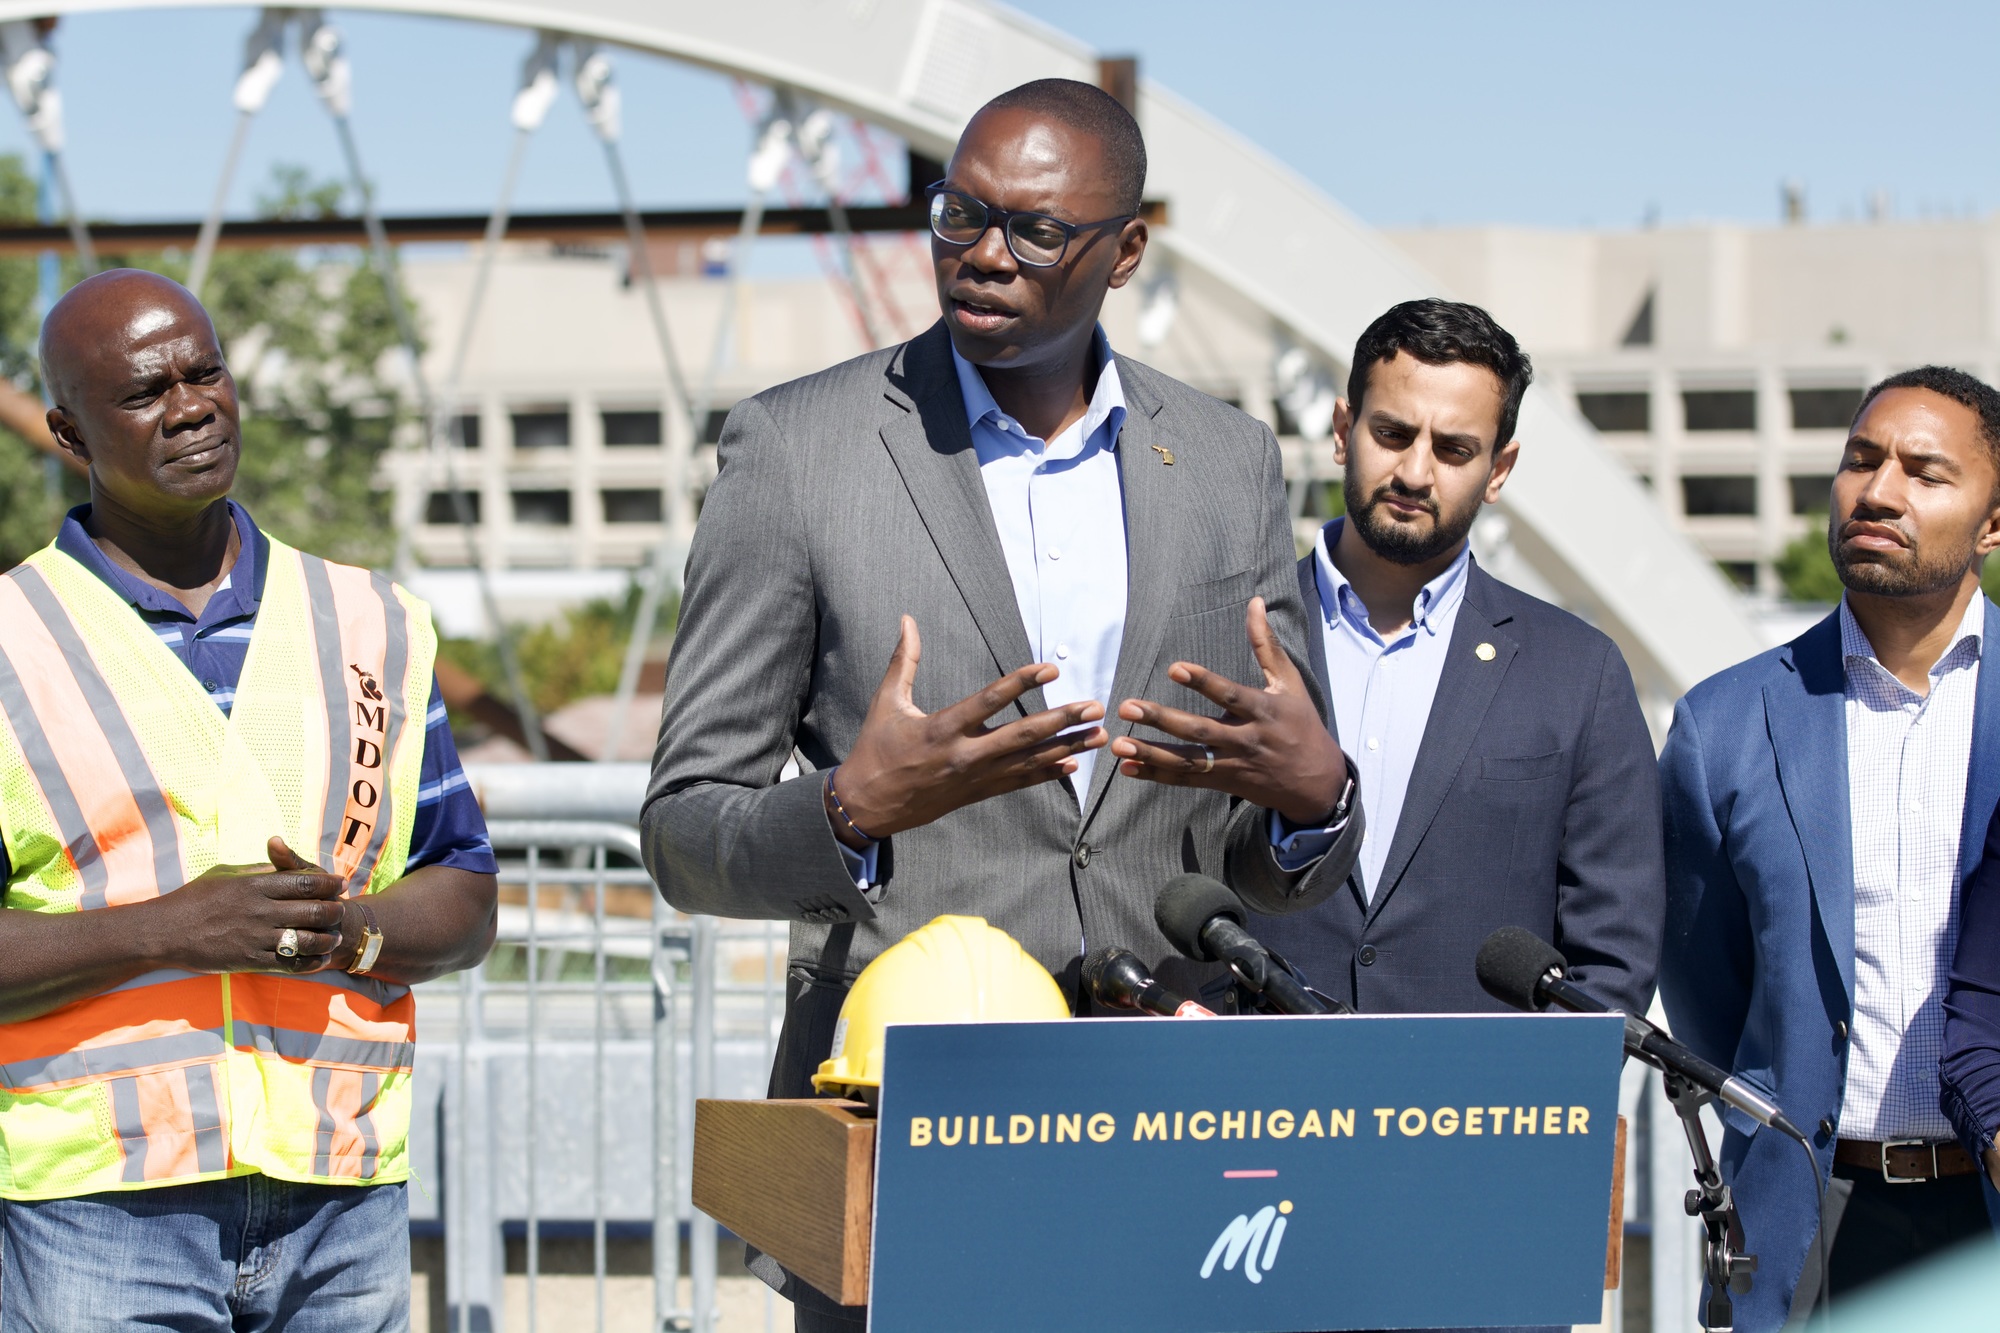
(1971, 1064)
(1758, 975)
(1533, 802)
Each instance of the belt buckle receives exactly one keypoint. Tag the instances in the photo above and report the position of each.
(1889, 1179)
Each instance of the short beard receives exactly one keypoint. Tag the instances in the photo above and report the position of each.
(1400, 543)
(1918, 575)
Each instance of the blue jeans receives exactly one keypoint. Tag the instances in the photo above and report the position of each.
(222, 1256)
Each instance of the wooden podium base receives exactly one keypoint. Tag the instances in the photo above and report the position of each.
(797, 1180)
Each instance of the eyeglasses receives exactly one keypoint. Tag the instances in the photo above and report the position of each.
(1035, 239)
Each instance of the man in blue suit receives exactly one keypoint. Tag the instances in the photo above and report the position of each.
(1823, 806)
(1503, 762)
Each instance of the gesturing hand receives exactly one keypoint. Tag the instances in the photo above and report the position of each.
(1269, 747)
(908, 768)
(232, 918)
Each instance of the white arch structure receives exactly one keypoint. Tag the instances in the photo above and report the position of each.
(919, 68)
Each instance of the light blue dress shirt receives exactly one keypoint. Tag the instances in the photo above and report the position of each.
(1061, 517)
(1380, 691)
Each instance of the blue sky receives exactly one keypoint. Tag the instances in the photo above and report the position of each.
(1555, 114)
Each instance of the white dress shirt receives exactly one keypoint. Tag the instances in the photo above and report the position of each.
(1907, 757)
(1381, 690)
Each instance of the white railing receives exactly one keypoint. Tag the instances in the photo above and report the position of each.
(556, 1081)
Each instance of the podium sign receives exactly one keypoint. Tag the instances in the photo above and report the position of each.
(1254, 1174)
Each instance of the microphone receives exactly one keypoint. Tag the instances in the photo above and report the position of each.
(1520, 968)
(1203, 920)
(1118, 980)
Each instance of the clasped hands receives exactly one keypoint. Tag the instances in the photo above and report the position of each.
(908, 768)
(235, 918)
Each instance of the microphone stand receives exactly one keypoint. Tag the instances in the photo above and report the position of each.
(1255, 976)
(1724, 1264)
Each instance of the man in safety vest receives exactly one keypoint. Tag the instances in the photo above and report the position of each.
(235, 834)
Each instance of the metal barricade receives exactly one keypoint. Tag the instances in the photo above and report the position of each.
(555, 1082)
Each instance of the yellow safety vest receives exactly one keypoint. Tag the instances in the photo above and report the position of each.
(121, 780)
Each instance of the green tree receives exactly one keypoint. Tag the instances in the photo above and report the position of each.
(574, 656)
(28, 511)
(1806, 569)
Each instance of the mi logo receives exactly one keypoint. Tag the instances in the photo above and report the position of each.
(1253, 1238)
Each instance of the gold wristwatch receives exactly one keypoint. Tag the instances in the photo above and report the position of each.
(371, 941)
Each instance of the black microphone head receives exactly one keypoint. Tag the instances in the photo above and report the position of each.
(1114, 977)
(1512, 963)
(1095, 964)
(1190, 902)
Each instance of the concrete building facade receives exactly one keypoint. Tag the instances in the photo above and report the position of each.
(1724, 363)
(1720, 363)
(569, 427)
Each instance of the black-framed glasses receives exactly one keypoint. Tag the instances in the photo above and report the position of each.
(1035, 239)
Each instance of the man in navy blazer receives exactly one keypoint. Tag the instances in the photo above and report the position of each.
(1824, 802)
(1504, 766)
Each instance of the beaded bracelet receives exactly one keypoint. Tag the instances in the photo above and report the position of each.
(833, 799)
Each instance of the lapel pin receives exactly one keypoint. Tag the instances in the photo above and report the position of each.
(1166, 454)
(1484, 652)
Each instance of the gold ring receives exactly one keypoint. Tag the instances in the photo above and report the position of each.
(288, 943)
(1207, 760)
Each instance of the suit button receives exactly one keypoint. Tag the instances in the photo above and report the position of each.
(1826, 1128)
(1367, 955)
(1081, 857)
(1839, 1033)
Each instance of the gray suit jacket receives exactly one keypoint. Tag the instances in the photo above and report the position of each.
(850, 497)
(1534, 802)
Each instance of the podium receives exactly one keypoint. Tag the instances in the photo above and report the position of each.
(1253, 1174)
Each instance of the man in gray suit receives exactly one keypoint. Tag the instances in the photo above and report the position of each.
(1001, 495)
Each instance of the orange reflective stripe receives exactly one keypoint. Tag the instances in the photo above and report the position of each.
(169, 1123)
(86, 1066)
(326, 649)
(395, 671)
(127, 816)
(94, 1032)
(347, 1145)
(320, 1049)
(78, 842)
(370, 1025)
(333, 999)
(131, 1127)
(361, 645)
(142, 783)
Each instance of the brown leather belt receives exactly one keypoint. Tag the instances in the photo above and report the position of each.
(1906, 1161)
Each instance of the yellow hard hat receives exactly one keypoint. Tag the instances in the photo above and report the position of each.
(957, 969)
